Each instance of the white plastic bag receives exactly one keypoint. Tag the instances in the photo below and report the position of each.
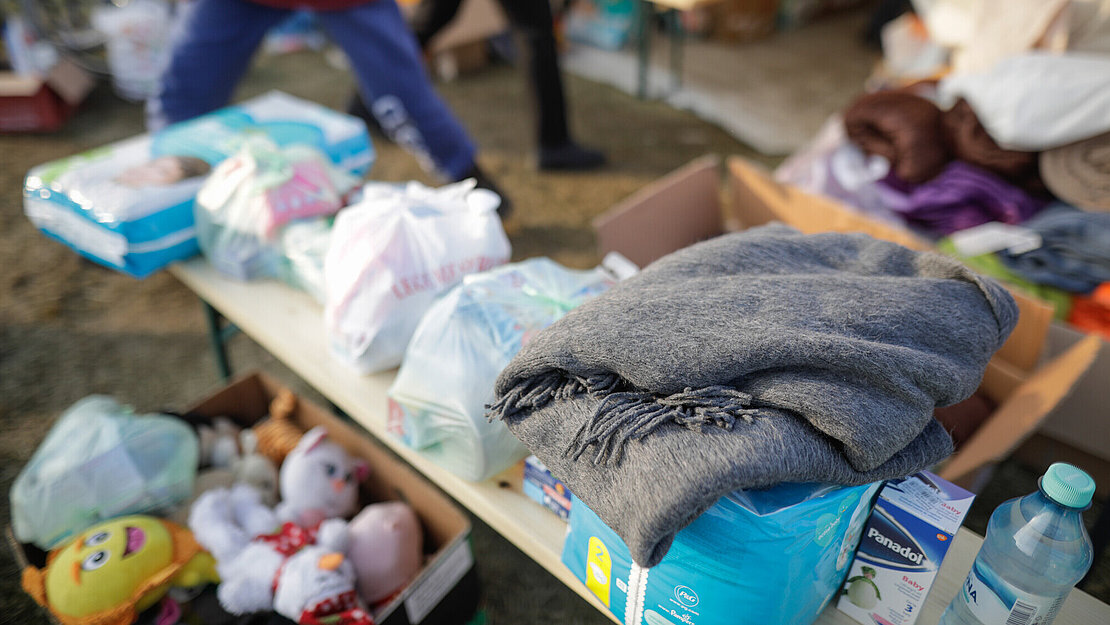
(392, 253)
(437, 402)
(100, 461)
(1037, 101)
(252, 195)
(304, 246)
(137, 38)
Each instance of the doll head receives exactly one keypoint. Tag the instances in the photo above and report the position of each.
(319, 480)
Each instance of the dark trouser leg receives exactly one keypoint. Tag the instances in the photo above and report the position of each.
(534, 21)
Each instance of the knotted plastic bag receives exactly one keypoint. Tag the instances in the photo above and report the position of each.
(393, 253)
(437, 402)
(249, 198)
(98, 462)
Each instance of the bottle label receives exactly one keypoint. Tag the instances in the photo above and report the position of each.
(992, 600)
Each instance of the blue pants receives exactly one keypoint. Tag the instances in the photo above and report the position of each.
(216, 39)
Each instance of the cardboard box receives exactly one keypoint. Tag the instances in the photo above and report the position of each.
(446, 590)
(689, 205)
(42, 104)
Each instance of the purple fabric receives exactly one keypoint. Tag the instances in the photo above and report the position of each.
(960, 197)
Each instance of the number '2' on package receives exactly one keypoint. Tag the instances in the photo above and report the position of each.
(780, 553)
(129, 205)
(907, 536)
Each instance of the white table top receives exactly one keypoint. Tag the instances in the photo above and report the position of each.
(289, 325)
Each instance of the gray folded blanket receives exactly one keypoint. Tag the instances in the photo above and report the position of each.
(752, 359)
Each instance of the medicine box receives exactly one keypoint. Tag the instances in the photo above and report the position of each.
(545, 489)
(903, 544)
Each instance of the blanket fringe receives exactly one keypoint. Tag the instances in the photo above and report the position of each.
(624, 415)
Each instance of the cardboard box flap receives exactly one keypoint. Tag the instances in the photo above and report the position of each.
(14, 85)
(1023, 348)
(1023, 411)
(680, 209)
(70, 81)
(757, 199)
(476, 20)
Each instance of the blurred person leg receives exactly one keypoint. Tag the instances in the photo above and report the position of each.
(213, 45)
(398, 93)
(556, 150)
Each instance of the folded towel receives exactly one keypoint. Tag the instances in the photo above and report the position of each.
(748, 360)
(1075, 250)
(902, 127)
(960, 197)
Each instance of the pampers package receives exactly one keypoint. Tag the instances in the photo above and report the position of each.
(129, 205)
(903, 544)
(756, 557)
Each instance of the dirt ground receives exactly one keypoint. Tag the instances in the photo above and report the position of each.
(69, 328)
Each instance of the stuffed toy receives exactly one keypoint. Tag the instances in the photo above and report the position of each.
(251, 469)
(219, 445)
(318, 481)
(302, 574)
(278, 434)
(386, 549)
(256, 470)
(116, 569)
(225, 520)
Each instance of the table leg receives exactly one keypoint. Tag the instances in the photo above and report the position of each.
(678, 40)
(644, 13)
(218, 339)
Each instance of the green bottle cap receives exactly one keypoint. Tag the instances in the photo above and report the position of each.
(1068, 486)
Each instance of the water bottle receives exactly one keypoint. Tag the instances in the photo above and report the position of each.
(1035, 551)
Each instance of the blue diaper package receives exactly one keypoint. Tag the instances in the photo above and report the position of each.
(129, 205)
(780, 553)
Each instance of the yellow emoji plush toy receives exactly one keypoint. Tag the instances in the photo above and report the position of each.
(115, 570)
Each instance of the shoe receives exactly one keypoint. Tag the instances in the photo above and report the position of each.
(506, 207)
(569, 156)
(357, 108)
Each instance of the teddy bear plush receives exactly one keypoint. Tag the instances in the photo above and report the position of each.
(302, 574)
(318, 480)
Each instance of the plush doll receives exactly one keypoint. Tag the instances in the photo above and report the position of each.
(318, 481)
(251, 469)
(219, 445)
(385, 548)
(302, 574)
(115, 570)
(225, 520)
(256, 470)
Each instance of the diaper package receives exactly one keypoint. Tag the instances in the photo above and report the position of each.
(253, 195)
(129, 205)
(437, 402)
(756, 557)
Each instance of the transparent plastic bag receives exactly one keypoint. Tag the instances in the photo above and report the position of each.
(248, 199)
(98, 462)
(392, 253)
(463, 342)
(304, 245)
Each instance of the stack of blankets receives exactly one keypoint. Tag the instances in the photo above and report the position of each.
(750, 360)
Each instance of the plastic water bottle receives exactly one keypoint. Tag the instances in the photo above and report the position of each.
(1035, 551)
